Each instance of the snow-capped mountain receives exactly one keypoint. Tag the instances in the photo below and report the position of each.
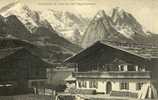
(30, 18)
(126, 24)
(65, 23)
(70, 25)
(101, 27)
(47, 41)
(119, 26)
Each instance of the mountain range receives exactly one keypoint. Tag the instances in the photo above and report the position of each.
(120, 26)
(68, 25)
(59, 32)
(50, 46)
(30, 18)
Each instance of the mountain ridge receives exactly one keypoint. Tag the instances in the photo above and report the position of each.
(64, 22)
(120, 26)
(54, 48)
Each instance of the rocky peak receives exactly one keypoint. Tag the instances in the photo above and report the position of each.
(119, 15)
(100, 14)
(125, 23)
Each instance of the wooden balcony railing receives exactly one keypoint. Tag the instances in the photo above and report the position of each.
(114, 74)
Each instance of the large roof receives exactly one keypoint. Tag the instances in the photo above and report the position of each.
(132, 51)
(147, 51)
(4, 53)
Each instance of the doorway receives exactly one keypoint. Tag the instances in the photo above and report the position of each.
(108, 87)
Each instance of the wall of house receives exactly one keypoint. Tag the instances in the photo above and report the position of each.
(133, 86)
(59, 75)
(102, 83)
(101, 86)
(115, 85)
(36, 83)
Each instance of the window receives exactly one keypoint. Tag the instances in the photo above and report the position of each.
(124, 85)
(93, 84)
(82, 84)
(131, 68)
(123, 67)
(139, 86)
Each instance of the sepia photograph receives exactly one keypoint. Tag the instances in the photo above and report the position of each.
(78, 49)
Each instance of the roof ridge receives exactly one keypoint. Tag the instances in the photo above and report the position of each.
(123, 50)
(134, 44)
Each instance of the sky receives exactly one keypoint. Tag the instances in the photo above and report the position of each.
(145, 11)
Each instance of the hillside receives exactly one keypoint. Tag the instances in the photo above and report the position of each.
(47, 40)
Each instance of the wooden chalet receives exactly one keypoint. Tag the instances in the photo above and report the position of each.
(20, 71)
(114, 69)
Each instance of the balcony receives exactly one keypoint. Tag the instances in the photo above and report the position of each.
(114, 74)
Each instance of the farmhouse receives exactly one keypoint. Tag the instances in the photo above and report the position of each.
(20, 70)
(114, 69)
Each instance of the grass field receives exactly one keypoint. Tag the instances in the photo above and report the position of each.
(25, 97)
(40, 97)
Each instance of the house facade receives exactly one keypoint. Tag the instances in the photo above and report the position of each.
(108, 69)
